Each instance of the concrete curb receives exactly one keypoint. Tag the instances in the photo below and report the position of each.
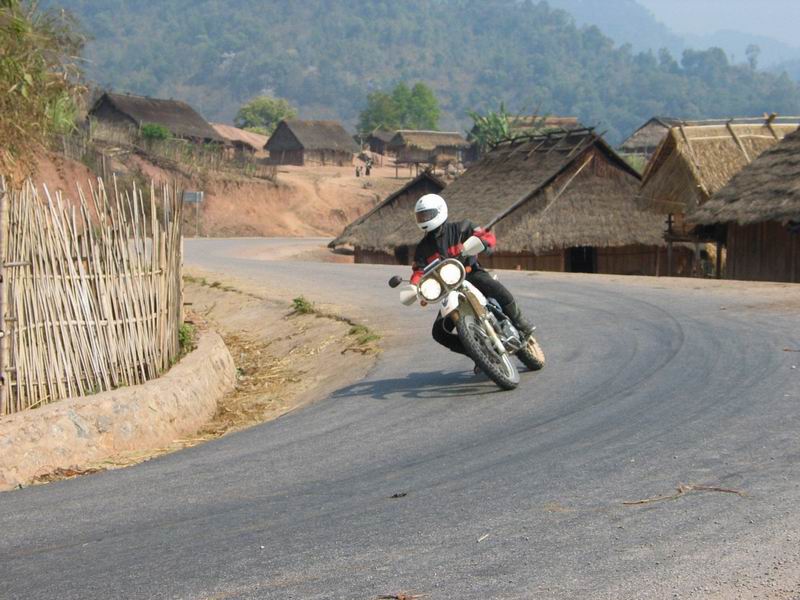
(78, 431)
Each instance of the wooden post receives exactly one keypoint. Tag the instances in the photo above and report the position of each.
(670, 221)
(3, 287)
(696, 270)
(718, 272)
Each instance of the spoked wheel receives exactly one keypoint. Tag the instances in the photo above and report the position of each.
(532, 355)
(498, 367)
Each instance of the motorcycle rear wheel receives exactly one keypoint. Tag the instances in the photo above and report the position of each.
(478, 345)
(532, 355)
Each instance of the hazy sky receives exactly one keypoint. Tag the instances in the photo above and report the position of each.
(778, 19)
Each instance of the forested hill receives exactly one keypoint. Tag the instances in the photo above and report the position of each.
(326, 55)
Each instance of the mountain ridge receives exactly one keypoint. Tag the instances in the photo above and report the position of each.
(217, 54)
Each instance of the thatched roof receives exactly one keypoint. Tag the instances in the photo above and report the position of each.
(180, 118)
(232, 134)
(593, 203)
(382, 135)
(510, 189)
(591, 211)
(768, 189)
(427, 140)
(697, 159)
(296, 134)
(523, 123)
(649, 135)
(391, 222)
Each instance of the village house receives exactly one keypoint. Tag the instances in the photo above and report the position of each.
(120, 117)
(302, 142)
(378, 141)
(696, 160)
(563, 201)
(412, 147)
(388, 233)
(645, 140)
(757, 216)
(242, 142)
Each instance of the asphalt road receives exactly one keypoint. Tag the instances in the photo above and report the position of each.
(503, 494)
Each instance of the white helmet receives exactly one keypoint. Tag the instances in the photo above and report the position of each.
(430, 212)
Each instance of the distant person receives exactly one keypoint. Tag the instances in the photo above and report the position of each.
(358, 171)
(368, 168)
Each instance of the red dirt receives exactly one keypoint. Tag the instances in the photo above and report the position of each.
(304, 201)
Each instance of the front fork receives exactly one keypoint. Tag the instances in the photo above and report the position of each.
(483, 317)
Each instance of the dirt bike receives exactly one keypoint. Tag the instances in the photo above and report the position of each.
(488, 335)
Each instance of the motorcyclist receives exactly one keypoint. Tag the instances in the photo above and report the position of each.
(444, 239)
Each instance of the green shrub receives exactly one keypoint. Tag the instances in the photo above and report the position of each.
(187, 334)
(302, 306)
(364, 335)
(153, 132)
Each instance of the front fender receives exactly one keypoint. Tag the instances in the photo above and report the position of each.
(451, 303)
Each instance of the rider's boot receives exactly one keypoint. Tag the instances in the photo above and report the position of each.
(518, 319)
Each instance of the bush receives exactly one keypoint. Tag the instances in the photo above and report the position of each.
(39, 77)
(187, 334)
(302, 306)
(153, 132)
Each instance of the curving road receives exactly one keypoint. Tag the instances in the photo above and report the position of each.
(502, 495)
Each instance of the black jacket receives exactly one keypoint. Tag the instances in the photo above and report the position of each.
(447, 241)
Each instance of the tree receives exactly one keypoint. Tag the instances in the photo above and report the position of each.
(423, 108)
(262, 114)
(404, 108)
(490, 128)
(381, 113)
(752, 53)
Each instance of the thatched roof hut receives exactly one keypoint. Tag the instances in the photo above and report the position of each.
(560, 201)
(768, 189)
(241, 139)
(412, 146)
(379, 139)
(299, 142)
(757, 216)
(593, 203)
(649, 136)
(390, 224)
(127, 110)
(697, 159)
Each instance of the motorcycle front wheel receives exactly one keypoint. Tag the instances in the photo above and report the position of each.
(532, 355)
(480, 348)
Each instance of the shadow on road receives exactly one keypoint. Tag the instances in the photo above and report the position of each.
(433, 384)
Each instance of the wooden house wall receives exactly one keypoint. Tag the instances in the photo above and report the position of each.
(413, 155)
(336, 158)
(763, 252)
(631, 260)
(287, 157)
(109, 124)
(624, 260)
(524, 262)
(402, 256)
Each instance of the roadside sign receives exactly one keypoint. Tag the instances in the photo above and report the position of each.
(193, 197)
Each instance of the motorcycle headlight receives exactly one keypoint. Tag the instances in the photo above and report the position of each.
(430, 289)
(450, 274)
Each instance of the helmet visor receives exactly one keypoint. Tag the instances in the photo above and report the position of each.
(426, 215)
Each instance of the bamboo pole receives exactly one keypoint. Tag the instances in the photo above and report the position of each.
(93, 294)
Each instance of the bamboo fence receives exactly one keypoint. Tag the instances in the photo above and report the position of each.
(91, 291)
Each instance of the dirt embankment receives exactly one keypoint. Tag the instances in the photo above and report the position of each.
(303, 201)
